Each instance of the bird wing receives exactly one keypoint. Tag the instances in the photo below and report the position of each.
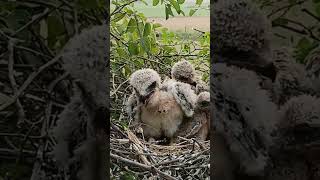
(132, 105)
(184, 96)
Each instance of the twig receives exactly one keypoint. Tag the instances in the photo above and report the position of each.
(310, 14)
(21, 115)
(34, 20)
(29, 81)
(146, 167)
(285, 8)
(117, 10)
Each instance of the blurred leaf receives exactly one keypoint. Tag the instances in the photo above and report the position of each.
(55, 29)
(168, 11)
(303, 47)
(303, 43)
(156, 25)
(191, 12)
(155, 2)
(132, 25)
(128, 176)
(181, 1)
(175, 5)
(121, 52)
(146, 44)
(133, 48)
(316, 1)
(181, 12)
(118, 17)
(147, 29)
(199, 2)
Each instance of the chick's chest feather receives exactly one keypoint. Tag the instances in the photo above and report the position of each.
(162, 113)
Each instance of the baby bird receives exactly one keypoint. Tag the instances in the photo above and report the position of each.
(202, 114)
(296, 151)
(183, 71)
(84, 118)
(160, 112)
(241, 36)
(198, 126)
(291, 79)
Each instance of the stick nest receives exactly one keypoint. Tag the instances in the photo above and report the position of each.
(132, 154)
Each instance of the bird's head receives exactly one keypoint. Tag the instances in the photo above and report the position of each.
(203, 100)
(241, 34)
(184, 71)
(145, 82)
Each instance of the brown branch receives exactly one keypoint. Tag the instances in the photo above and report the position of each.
(29, 81)
(143, 166)
(310, 14)
(119, 8)
(286, 8)
(21, 114)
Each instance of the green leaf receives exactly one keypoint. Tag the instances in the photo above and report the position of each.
(133, 48)
(181, 1)
(303, 43)
(155, 2)
(168, 11)
(118, 17)
(55, 29)
(147, 29)
(146, 44)
(316, 1)
(192, 11)
(199, 2)
(181, 12)
(132, 25)
(156, 25)
(121, 52)
(175, 5)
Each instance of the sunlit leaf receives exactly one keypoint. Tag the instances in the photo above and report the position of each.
(147, 29)
(132, 25)
(133, 48)
(155, 2)
(199, 2)
(118, 17)
(192, 11)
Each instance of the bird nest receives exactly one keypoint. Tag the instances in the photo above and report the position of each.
(132, 154)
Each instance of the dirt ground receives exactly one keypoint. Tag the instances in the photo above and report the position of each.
(184, 23)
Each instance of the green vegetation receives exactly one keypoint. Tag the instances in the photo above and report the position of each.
(149, 10)
(136, 44)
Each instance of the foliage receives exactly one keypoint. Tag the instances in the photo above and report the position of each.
(300, 19)
(137, 43)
